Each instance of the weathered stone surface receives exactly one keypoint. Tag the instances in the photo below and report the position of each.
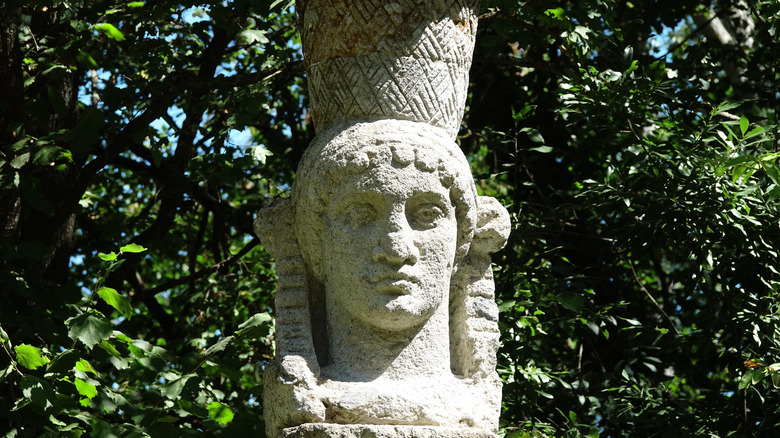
(363, 431)
(403, 59)
(399, 326)
(385, 314)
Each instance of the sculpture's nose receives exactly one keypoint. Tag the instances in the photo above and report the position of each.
(397, 247)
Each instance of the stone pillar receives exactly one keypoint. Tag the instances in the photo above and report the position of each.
(386, 324)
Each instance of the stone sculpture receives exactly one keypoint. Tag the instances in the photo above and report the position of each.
(385, 318)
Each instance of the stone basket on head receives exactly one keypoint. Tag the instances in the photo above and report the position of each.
(405, 60)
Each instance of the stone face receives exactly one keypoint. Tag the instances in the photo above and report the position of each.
(386, 323)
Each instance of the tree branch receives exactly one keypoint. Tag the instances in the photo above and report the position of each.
(649, 295)
(205, 271)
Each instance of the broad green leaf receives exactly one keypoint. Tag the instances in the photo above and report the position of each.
(135, 4)
(251, 36)
(751, 377)
(118, 302)
(220, 412)
(132, 248)
(220, 345)
(174, 388)
(506, 305)
(20, 161)
(30, 357)
(256, 320)
(89, 329)
(572, 301)
(39, 392)
(110, 31)
(556, 13)
(84, 388)
(85, 366)
(110, 257)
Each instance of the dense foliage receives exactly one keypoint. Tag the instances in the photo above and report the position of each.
(634, 143)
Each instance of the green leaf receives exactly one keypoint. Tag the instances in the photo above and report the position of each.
(84, 388)
(83, 365)
(109, 348)
(743, 125)
(86, 59)
(135, 4)
(118, 302)
(219, 346)
(251, 36)
(557, 13)
(258, 326)
(133, 248)
(110, 31)
(751, 377)
(173, 389)
(256, 320)
(5, 372)
(773, 192)
(285, 4)
(506, 305)
(542, 149)
(30, 357)
(220, 412)
(725, 106)
(572, 301)
(20, 161)
(110, 257)
(38, 391)
(89, 329)
(634, 65)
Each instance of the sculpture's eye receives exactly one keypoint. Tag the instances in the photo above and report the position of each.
(426, 216)
(358, 214)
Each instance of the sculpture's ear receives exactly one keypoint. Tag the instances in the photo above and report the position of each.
(273, 224)
(493, 226)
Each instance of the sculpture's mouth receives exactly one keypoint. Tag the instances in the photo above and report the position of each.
(394, 276)
(395, 283)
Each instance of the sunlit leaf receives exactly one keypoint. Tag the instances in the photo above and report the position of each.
(89, 329)
(110, 31)
(220, 412)
(30, 357)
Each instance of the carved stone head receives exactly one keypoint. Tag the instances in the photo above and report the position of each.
(384, 212)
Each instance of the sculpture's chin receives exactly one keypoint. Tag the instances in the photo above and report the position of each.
(397, 313)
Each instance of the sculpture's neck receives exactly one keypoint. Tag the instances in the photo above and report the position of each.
(361, 353)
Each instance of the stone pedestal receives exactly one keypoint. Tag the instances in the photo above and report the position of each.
(327, 430)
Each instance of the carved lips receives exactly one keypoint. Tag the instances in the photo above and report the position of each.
(395, 283)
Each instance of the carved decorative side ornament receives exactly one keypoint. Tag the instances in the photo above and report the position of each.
(386, 324)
